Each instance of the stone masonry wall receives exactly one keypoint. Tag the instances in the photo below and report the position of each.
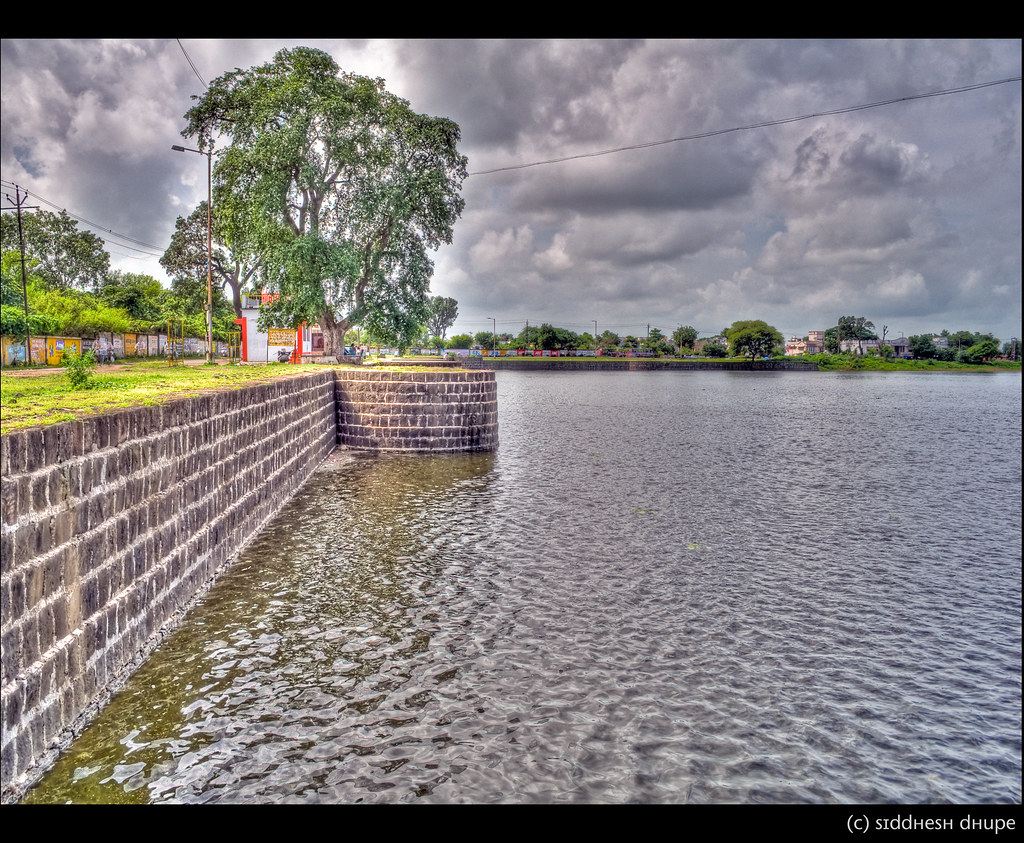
(433, 411)
(113, 526)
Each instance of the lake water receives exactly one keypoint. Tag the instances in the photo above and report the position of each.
(664, 587)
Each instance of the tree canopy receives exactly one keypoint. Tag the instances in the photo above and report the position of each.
(66, 256)
(186, 256)
(442, 311)
(754, 338)
(337, 186)
(684, 337)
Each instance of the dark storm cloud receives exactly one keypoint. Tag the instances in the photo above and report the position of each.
(909, 211)
(509, 94)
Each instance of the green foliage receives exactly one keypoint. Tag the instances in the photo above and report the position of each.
(608, 341)
(979, 353)
(186, 257)
(78, 368)
(441, 315)
(336, 185)
(684, 337)
(79, 314)
(66, 256)
(855, 328)
(753, 338)
(142, 297)
(12, 322)
(460, 341)
(12, 299)
(548, 338)
(714, 348)
(187, 300)
(656, 343)
(922, 347)
(10, 279)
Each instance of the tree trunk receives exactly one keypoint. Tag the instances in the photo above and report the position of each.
(334, 336)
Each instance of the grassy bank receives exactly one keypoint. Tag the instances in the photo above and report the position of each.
(32, 400)
(871, 363)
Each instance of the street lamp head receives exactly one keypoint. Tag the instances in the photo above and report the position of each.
(178, 148)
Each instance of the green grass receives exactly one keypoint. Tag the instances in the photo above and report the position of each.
(33, 400)
(872, 363)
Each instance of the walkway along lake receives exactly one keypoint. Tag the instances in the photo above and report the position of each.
(665, 587)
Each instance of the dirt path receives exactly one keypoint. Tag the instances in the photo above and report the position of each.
(15, 372)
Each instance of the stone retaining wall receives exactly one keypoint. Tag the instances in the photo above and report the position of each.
(435, 411)
(112, 527)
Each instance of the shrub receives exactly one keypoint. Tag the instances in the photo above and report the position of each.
(78, 368)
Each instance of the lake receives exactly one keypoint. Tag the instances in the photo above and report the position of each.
(663, 587)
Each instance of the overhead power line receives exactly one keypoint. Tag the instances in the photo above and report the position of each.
(761, 125)
(190, 63)
(147, 248)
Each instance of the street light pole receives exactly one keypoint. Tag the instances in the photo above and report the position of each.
(209, 246)
(494, 335)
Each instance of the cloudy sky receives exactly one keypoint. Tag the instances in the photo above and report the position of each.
(631, 183)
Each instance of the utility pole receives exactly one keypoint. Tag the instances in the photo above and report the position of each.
(210, 357)
(18, 203)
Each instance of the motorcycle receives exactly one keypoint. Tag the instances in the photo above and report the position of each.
(283, 355)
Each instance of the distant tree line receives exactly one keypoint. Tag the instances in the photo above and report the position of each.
(750, 338)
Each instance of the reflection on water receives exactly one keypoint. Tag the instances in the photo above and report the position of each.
(664, 587)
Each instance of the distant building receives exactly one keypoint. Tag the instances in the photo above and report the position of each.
(814, 344)
(795, 346)
(900, 347)
(859, 347)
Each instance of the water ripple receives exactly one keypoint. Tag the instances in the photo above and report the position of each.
(664, 587)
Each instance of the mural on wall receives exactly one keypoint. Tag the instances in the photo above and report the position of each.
(56, 346)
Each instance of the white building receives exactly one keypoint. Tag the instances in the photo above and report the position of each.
(262, 346)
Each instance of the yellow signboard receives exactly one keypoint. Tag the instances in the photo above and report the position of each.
(281, 336)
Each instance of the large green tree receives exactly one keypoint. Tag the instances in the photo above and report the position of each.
(336, 185)
(922, 346)
(753, 338)
(187, 254)
(848, 328)
(656, 343)
(66, 256)
(684, 337)
(608, 341)
(442, 311)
